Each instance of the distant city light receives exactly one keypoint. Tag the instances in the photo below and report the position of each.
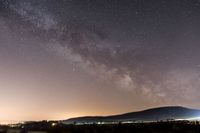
(194, 119)
(53, 124)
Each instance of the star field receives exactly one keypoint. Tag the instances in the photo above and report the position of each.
(97, 57)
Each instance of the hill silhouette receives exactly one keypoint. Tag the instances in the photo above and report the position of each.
(154, 114)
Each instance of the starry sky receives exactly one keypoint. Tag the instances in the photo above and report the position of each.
(66, 58)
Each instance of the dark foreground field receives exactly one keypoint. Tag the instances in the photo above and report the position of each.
(161, 127)
(157, 127)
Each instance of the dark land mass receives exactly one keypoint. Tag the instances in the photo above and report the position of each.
(157, 120)
(155, 114)
(154, 127)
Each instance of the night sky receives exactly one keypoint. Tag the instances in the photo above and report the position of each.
(66, 58)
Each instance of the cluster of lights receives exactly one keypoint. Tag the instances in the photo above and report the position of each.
(194, 119)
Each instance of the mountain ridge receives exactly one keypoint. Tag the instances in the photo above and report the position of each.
(152, 114)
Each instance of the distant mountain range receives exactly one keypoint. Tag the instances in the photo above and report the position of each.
(155, 114)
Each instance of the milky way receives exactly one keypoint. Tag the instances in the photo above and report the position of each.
(98, 56)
